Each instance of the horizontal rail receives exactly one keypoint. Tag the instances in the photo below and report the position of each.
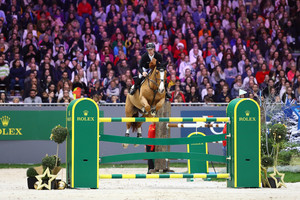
(161, 141)
(157, 176)
(164, 119)
(197, 125)
(162, 155)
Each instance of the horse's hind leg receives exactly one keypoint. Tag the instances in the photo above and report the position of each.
(128, 125)
(129, 109)
(139, 132)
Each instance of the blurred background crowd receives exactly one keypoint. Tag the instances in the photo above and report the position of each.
(49, 48)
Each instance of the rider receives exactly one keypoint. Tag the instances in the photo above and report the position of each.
(144, 67)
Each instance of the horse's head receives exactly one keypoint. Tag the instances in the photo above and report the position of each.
(161, 75)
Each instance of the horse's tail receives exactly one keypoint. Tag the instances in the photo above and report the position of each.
(135, 125)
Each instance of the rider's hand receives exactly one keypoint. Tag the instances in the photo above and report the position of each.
(144, 74)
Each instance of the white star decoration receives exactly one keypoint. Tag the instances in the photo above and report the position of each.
(40, 184)
(281, 176)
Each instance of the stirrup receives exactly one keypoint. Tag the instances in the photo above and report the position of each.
(139, 135)
(126, 134)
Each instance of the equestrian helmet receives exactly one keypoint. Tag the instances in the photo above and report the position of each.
(150, 45)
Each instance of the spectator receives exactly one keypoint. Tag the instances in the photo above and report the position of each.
(211, 33)
(288, 96)
(113, 90)
(51, 98)
(237, 86)
(84, 9)
(217, 75)
(33, 98)
(66, 87)
(184, 66)
(98, 90)
(225, 93)
(3, 97)
(17, 76)
(260, 75)
(65, 97)
(4, 72)
(209, 97)
(64, 79)
(193, 96)
(176, 93)
(230, 72)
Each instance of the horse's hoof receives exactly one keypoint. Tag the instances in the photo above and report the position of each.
(153, 113)
(125, 146)
(136, 145)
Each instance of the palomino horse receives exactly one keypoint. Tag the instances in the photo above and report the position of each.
(148, 100)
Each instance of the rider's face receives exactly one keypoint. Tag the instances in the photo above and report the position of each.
(150, 52)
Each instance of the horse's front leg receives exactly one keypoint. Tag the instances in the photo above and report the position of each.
(160, 104)
(153, 111)
(145, 104)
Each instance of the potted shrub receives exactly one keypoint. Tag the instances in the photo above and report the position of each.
(271, 146)
(53, 163)
(31, 173)
(58, 135)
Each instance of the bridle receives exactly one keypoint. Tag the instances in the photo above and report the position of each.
(155, 82)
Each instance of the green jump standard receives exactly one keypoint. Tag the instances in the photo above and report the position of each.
(243, 145)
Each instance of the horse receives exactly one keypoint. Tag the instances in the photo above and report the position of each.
(148, 99)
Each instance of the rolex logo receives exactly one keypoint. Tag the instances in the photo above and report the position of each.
(247, 112)
(5, 121)
(85, 112)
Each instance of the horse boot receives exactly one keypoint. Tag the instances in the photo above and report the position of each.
(125, 146)
(139, 135)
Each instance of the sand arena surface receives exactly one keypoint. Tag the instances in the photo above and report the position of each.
(13, 185)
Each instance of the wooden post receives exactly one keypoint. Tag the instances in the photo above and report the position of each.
(162, 132)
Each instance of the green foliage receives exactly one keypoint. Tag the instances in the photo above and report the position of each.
(31, 172)
(49, 161)
(59, 134)
(278, 131)
(285, 157)
(58, 160)
(267, 161)
(266, 143)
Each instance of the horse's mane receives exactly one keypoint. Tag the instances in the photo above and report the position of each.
(154, 64)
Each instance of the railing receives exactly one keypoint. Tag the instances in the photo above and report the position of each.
(109, 104)
(112, 104)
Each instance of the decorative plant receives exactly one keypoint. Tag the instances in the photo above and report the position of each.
(278, 132)
(31, 173)
(58, 135)
(31, 179)
(272, 143)
(49, 161)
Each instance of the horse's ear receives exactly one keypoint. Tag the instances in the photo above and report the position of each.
(152, 63)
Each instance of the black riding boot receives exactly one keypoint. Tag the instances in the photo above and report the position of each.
(136, 85)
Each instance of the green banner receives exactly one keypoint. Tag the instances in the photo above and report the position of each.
(29, 125)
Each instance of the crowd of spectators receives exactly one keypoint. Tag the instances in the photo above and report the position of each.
(214, 48)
